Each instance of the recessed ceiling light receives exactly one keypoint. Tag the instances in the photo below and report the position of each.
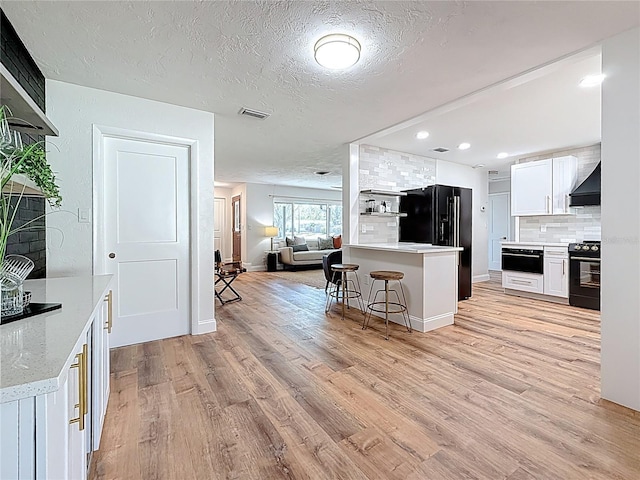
(502, 155)
(337, 51)
(592, 80)
(479, 165)
(421, 135)
(322, 172)
(464, 146)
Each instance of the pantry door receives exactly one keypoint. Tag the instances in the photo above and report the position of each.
(146, 238)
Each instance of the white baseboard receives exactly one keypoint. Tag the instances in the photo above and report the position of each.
(431, 323)
(480, 278)
(206, 326)
(422, 324)
(255, 268)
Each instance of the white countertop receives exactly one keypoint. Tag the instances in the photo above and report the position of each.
(537, 244)
(406, 247)
(36, 352)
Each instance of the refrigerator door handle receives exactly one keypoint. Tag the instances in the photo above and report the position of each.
(456, 203)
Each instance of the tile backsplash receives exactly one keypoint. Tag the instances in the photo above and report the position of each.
(584, 225)
(389, 170)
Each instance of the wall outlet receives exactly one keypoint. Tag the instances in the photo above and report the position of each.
(543, 228)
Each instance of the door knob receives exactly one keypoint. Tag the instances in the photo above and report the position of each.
(504, 238)
(112, 255)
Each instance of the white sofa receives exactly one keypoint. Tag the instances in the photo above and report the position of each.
(289, 258)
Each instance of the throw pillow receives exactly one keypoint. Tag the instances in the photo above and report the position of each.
(300, 248)
(290, 242)
(337, 241)
(299, 241)
(325, 243)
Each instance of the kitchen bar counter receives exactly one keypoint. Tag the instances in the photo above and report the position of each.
(430, 278)
(36, 352)
(405, 247)
(534, 244)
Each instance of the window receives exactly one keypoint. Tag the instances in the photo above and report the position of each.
(308, 220)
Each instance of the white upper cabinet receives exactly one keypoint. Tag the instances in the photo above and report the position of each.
(543, 187)
(565, 177)
(531, 185)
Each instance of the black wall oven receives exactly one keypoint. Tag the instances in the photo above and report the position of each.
(584, 275)
(523, 260)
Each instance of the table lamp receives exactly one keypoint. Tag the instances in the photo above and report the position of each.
(271, 232)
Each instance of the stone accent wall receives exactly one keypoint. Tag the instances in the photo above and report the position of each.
(15, 57)
(584, 225)
(389, 170)
(30, 243)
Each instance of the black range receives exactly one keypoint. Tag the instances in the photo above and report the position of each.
(584, 274)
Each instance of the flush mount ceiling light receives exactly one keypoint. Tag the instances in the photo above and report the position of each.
(592, 80)
(337, 51)
(421, 135)
(502, 155)
(479, 165)
(464, 146)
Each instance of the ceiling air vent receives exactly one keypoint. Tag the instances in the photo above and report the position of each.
(493, 172)
(253, 113)
(440, 150)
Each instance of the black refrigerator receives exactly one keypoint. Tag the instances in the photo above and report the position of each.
(440, 215)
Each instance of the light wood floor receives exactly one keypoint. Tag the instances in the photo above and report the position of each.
(283, 391)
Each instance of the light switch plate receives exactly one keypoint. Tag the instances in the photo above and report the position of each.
(84, 215)
(363, 228)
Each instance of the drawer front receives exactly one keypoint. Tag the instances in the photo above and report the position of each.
(559, 252)
(527, 282)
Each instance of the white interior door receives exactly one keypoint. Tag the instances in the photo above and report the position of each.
(219, 210)
(499, 221)
(146, 216)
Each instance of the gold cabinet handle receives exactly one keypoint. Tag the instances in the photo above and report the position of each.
(85, 371)
(109, 299)
(80, 365)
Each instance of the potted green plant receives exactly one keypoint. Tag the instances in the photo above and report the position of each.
(30, 162)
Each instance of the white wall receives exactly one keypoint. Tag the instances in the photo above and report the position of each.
(620, 294)
(259, 214)
(500, 186)
(74, 110)
(448, 173)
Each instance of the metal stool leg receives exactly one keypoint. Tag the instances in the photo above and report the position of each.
(405, 312)
(369, 312)
(386, 309)
(344, 285)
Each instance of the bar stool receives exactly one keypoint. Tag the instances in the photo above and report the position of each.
(377, 305)
(343, 283)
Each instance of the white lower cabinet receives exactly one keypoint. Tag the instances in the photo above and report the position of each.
(50, 436)
(527, 282)
(556, 272)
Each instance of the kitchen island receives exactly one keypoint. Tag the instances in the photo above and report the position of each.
(430, 278)
(54, 380)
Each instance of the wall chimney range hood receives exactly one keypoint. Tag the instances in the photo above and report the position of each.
(588, 193)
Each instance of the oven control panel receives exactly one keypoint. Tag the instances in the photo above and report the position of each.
(590, 248)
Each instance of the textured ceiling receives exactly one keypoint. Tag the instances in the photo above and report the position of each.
(219, 56)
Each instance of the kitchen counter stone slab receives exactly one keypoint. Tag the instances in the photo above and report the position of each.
(36, 352)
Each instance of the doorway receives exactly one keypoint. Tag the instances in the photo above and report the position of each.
(236, 228)
(143, 234)
(499, 227)
(219, 222)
